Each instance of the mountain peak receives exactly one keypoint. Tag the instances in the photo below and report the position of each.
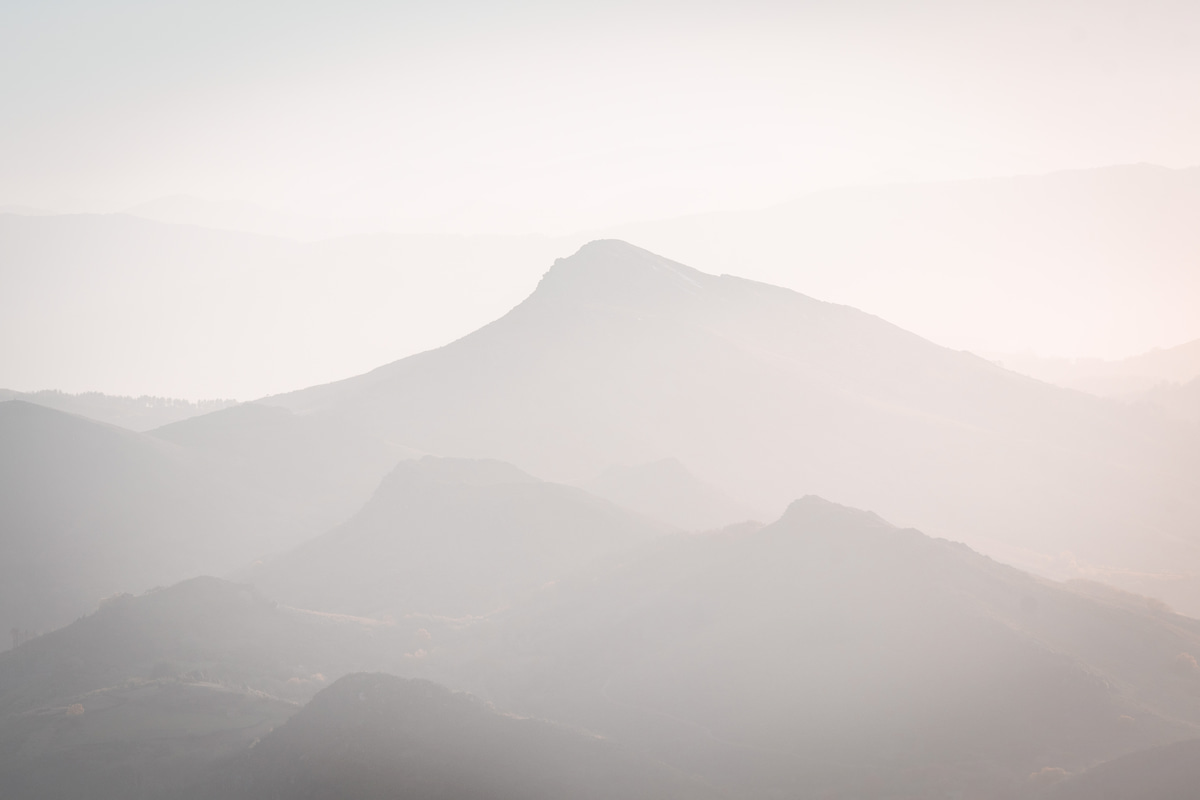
(813, 514)
(610, 271)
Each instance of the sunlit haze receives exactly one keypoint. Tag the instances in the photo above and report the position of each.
(473, 117)
(599, 401)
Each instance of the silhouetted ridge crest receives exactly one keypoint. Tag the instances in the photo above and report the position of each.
(612, 272)
(813, 514)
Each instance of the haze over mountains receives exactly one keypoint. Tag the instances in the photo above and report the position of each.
(623, 401)
(1092, 263)
(1123, 378)
(533, 514)
(127, 306)
(452, 538)
(621, 356)
(831, 654)
(828, 653)
(1097, 262)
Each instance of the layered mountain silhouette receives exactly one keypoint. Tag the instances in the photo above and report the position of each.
(624, 357)
(827, 654)
(142, 697)
(1124, 378)
(88, 510)
(831, 654)
(451, 537)
(202, 630)
(378, 736)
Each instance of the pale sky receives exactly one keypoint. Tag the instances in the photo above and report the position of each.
(555, 117)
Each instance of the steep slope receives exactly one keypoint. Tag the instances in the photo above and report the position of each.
(622, 356)
(665, 490)
(378, 736)
(124, 305)
(1094, 262)
(451, 537)
(831, 654)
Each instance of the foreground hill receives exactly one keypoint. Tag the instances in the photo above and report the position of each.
(831, 654)
(378, 736)
(88, 510)
(139, 699)
(625, 357)
(827, 654)
(203, 630)
(1170, 772)
(451, 537)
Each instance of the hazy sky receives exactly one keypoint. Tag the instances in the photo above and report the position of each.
(540, 116)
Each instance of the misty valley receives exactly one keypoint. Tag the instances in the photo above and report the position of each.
(653, 533)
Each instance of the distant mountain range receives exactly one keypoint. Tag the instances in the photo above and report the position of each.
(1128, 378)
(124, 305)
(623, 357)
(135, 413)
(532, 514)
(194, 299)
(184, 209)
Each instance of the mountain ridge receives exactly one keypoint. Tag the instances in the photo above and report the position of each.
(771, 394)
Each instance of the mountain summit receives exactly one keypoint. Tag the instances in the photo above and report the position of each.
(621, 356)
(612, 272)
